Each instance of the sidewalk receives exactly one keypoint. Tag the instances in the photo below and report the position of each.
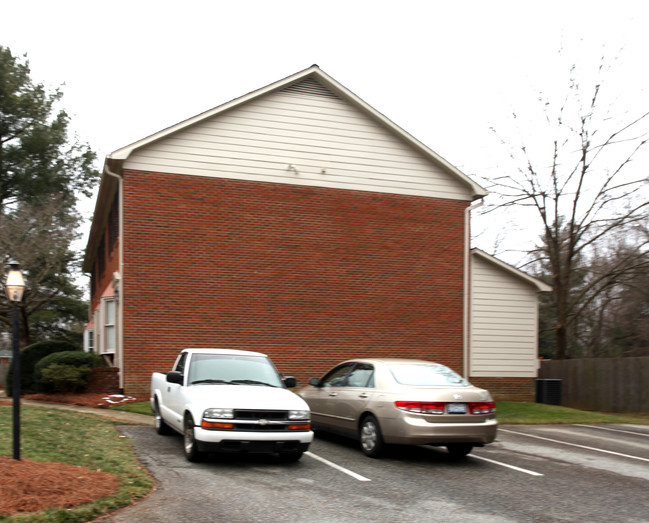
(126, 418)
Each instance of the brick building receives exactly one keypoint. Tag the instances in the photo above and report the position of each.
(296, 221)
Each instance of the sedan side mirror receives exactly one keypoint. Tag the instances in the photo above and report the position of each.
(315, 382)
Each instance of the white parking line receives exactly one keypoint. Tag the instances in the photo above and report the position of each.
(337, 467)
(530, 472)
(576, 445)
(613, 430)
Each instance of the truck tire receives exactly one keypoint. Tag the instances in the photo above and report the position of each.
(190, 446)
(160, 426)
(290, 457)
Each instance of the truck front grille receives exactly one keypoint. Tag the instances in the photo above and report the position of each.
(270, 415)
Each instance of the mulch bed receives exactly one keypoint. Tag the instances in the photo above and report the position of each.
(86, 399)
(29, 486)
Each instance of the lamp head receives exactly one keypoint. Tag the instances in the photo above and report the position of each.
(15, 284)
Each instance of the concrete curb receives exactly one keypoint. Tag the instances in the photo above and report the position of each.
(127, 418)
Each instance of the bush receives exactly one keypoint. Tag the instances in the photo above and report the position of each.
(29, 357)
(64, 378)
(74, 359)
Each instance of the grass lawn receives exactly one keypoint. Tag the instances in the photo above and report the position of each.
(59, 436)
(521, 413)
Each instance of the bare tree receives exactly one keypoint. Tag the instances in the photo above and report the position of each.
(583, 188)
(40, 236)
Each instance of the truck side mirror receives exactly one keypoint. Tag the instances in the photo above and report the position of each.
(290, 381)
(174, 376)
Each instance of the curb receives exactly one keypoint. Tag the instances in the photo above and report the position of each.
(127, 418)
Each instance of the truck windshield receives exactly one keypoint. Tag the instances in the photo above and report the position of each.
(228, 369)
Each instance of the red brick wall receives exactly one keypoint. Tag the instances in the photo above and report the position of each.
(310, 276)
(104, 380)
(512, 389)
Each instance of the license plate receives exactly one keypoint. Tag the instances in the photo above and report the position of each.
(456, 408)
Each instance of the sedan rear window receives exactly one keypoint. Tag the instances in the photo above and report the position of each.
(424, 375)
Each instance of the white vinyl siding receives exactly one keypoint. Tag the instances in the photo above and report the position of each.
(328, 141)
(504, 323)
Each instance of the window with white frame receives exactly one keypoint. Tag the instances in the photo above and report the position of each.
(89, 340)
(107, 338)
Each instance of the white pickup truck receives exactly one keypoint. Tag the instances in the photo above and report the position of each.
(230, 401)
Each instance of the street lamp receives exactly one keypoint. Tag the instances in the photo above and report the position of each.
(14, 288)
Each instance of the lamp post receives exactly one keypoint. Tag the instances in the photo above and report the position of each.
(14, 288)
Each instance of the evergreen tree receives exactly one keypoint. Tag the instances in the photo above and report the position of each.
(42, 175)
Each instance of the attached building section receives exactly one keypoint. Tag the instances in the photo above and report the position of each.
(504, 319)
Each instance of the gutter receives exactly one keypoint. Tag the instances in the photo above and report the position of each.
(466, 327)
(120, 282)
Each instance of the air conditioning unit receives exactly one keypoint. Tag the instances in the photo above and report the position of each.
(548, 391)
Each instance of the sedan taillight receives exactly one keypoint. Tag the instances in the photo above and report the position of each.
(421, 407)
(483, 407)
(439, 407)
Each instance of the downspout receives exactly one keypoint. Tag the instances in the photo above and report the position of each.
(466, 327)
(120, 284)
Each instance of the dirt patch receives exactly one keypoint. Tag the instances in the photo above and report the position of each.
(29, 486)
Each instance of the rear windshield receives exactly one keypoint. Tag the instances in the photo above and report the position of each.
(426, 375)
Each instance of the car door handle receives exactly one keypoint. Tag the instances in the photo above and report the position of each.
(363, 395)
(333, 394)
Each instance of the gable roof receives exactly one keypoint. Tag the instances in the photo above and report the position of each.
(115, 160)
(535, 282)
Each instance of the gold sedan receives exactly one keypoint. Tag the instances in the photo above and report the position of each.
(401, 401)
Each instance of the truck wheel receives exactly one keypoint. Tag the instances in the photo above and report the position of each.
(160, 426)
(189, 442)
(290, 457)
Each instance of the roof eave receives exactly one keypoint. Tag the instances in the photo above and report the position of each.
(540, 286)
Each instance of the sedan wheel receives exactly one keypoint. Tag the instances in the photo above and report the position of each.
(191, 450)
(370, 436)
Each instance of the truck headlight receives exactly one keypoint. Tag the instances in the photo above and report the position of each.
(299, 414)
(218, 414)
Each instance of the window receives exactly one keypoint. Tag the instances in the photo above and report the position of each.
(361, 376)
(336, 378)
(106, 336)
(89, 340)
(426, 375)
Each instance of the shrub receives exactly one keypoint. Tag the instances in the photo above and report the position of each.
(74, 359)
(29, 357)
(64, 378)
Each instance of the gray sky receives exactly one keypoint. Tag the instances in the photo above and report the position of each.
(444, 71)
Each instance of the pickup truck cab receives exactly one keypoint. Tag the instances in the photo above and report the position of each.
(224, 400)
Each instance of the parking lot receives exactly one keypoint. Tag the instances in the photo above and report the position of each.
(531, 473)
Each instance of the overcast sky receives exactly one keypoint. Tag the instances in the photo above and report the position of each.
(446, 72)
